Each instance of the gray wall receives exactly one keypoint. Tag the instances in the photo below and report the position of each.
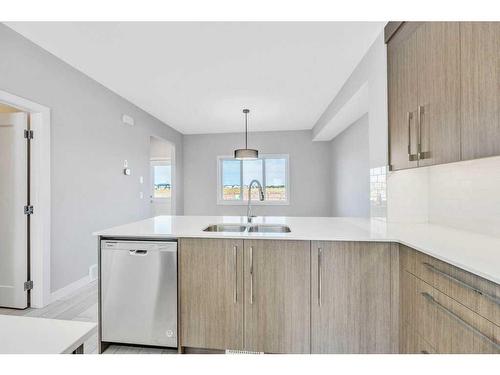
(350, 171)
(309, 172)
(89, 145)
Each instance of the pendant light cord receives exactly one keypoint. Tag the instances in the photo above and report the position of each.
(246, 130)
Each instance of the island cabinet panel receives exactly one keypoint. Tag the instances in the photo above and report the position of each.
(277, 296)
(351, 285)
(480, 66)
(211, 293)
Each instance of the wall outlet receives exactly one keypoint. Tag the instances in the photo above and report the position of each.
(141, 195)
(93, 272)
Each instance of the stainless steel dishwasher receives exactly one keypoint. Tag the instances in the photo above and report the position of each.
(139, 292)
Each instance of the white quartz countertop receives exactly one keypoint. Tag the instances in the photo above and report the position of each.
(476, 253)
(27, 335)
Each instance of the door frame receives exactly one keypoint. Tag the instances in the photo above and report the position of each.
(173, 187)
(40, 222)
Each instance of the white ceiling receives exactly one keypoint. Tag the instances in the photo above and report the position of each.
(197, 77)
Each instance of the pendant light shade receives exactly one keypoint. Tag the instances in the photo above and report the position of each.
(246, 153)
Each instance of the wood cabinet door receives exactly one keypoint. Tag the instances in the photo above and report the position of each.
(277, 296)
(402, 98)
(211, 293)
(480, 66)
(351, 297)
(438, 111)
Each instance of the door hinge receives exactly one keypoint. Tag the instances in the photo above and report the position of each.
(28, 210)
(28, 134)
(28, 285)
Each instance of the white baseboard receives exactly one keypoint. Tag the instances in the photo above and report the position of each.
(68, 289)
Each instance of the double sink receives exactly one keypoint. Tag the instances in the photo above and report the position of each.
(251, 228)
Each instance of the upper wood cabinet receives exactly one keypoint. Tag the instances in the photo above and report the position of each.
(277, 296)
(480, 61)
(438, 110)
(443, 92)
(211, 293)
(402, 90)
(351, 304)
(424, 94)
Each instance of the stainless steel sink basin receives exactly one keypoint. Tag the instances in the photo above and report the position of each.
(269, 228)
(225, 228)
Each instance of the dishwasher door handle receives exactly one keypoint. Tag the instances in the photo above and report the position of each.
(138, 252)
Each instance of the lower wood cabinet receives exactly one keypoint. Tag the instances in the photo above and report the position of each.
(436, 305)
(413, 343)
(211, 293)
(259, 301)
(277, 296)
(351, 297)
(282, 296)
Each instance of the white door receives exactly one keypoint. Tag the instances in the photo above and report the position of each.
(161, 189)
(13, 221)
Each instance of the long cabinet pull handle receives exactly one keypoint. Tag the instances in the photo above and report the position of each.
(460, 320)
(409, 117)
(320, 266)
(424, 352)
(420, 112)
(251, 275)
(494, 299)
(235, 259)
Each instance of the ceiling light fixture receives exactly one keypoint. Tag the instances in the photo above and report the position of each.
(246, 153)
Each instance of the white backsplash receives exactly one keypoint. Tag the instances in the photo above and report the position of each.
(378, 192)
(408, 196)
(463, 195)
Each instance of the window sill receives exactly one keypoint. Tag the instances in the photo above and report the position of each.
(254, 203)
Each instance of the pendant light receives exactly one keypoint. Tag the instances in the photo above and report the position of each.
(246, 153)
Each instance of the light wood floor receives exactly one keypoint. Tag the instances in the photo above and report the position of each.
(82, 306)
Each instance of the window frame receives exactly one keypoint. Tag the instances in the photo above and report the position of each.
(244, 201)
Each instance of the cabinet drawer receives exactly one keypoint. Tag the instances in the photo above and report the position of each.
(478, 294)
(445, 324)
(412, 343)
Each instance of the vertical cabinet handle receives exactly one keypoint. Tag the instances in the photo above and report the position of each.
(420, 112)
(320, 260)
(409, 117)
(411, 157)
(235, 259)
(251, 275)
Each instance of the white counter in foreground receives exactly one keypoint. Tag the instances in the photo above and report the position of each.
(27, 335)
(470, 251)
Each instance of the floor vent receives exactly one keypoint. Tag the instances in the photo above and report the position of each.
(231, 351)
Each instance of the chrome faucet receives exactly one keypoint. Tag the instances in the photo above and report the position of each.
(261, 198)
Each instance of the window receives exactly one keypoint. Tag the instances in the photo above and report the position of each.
(235, 176)
(162, 179)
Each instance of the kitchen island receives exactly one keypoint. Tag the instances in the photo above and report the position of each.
(330, 285)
